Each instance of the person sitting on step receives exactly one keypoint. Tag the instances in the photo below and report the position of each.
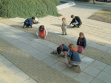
(61, 48)
(42, 32)
(76, 21)
(73, 58)
(28, 22)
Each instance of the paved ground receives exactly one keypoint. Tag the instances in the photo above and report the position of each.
(32, 56)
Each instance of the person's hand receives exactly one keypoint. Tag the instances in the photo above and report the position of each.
(38, 36)
(33, 28)
(45, 37)
(69, 24)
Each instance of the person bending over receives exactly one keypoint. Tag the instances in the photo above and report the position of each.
(76, 21)
(42, 32)
(28, 22)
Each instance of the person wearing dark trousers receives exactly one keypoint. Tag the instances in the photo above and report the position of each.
(76, 21)
(28, 22)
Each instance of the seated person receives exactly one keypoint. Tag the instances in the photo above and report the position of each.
(42, 32)
(76, 21)
(73, 58)
(61, 48)
(28, 22)
(36, 21)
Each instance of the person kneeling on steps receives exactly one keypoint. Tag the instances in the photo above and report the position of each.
(28, 22)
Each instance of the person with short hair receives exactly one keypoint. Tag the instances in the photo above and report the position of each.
(64, 26)
(61, 48)
(76, 21)
(81, 42)
(73, 58)
(28, 22)
(42, 32)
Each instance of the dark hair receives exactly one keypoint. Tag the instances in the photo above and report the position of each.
(81, 33)
(33, 18)
(59, 49)
(72, 16)
(42, 26)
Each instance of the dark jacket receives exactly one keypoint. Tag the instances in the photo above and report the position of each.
(65, 48)
(73, 55)
(81, 42)
(78, 20)
(30, 21)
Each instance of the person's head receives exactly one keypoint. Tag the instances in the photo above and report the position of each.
(59, 49)
(81, 34)
(70, 46)
(63, 19)
(72, 16)
(33, 18)
(41, 28)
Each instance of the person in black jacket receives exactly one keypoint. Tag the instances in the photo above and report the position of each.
(81, 42)
(76, 21)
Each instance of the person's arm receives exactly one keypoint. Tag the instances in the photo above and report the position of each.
(69, 53)
(30, 23)
(84, 43)
(78, 41)
(37, 33)
(73, 20)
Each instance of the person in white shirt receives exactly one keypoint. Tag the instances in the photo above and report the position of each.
(42, 32)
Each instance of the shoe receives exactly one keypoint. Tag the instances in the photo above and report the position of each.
(24, 26)
(65, 34)
(74, 26)
(52, 52)
(77, 26)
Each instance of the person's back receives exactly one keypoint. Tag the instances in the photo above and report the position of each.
(28, 22)
(78, 19)
(74, 55)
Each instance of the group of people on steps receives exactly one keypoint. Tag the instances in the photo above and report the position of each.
(70, 53)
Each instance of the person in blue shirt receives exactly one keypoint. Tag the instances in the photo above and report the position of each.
(61, 48)
(28, 22)
(73, 58)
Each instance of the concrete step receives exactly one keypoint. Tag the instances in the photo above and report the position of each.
(68, 4)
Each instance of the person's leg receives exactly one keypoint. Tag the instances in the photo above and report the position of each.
(65, 31)
(24, 26)
(77, 66)
(69, 62)
(65, 54)
(78, 48)
(54, 52)
(82, 50)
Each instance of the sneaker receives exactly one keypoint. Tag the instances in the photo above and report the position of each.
(52, 52)
(74, 26)
(24, 26)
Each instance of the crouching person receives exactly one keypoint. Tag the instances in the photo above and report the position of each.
(61, 48)
(42, 32)
(29, 22)
(73, 58)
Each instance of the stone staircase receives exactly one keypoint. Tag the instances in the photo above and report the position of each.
(65, 5)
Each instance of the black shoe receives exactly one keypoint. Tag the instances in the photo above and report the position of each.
(77, 26)
(74, 26)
